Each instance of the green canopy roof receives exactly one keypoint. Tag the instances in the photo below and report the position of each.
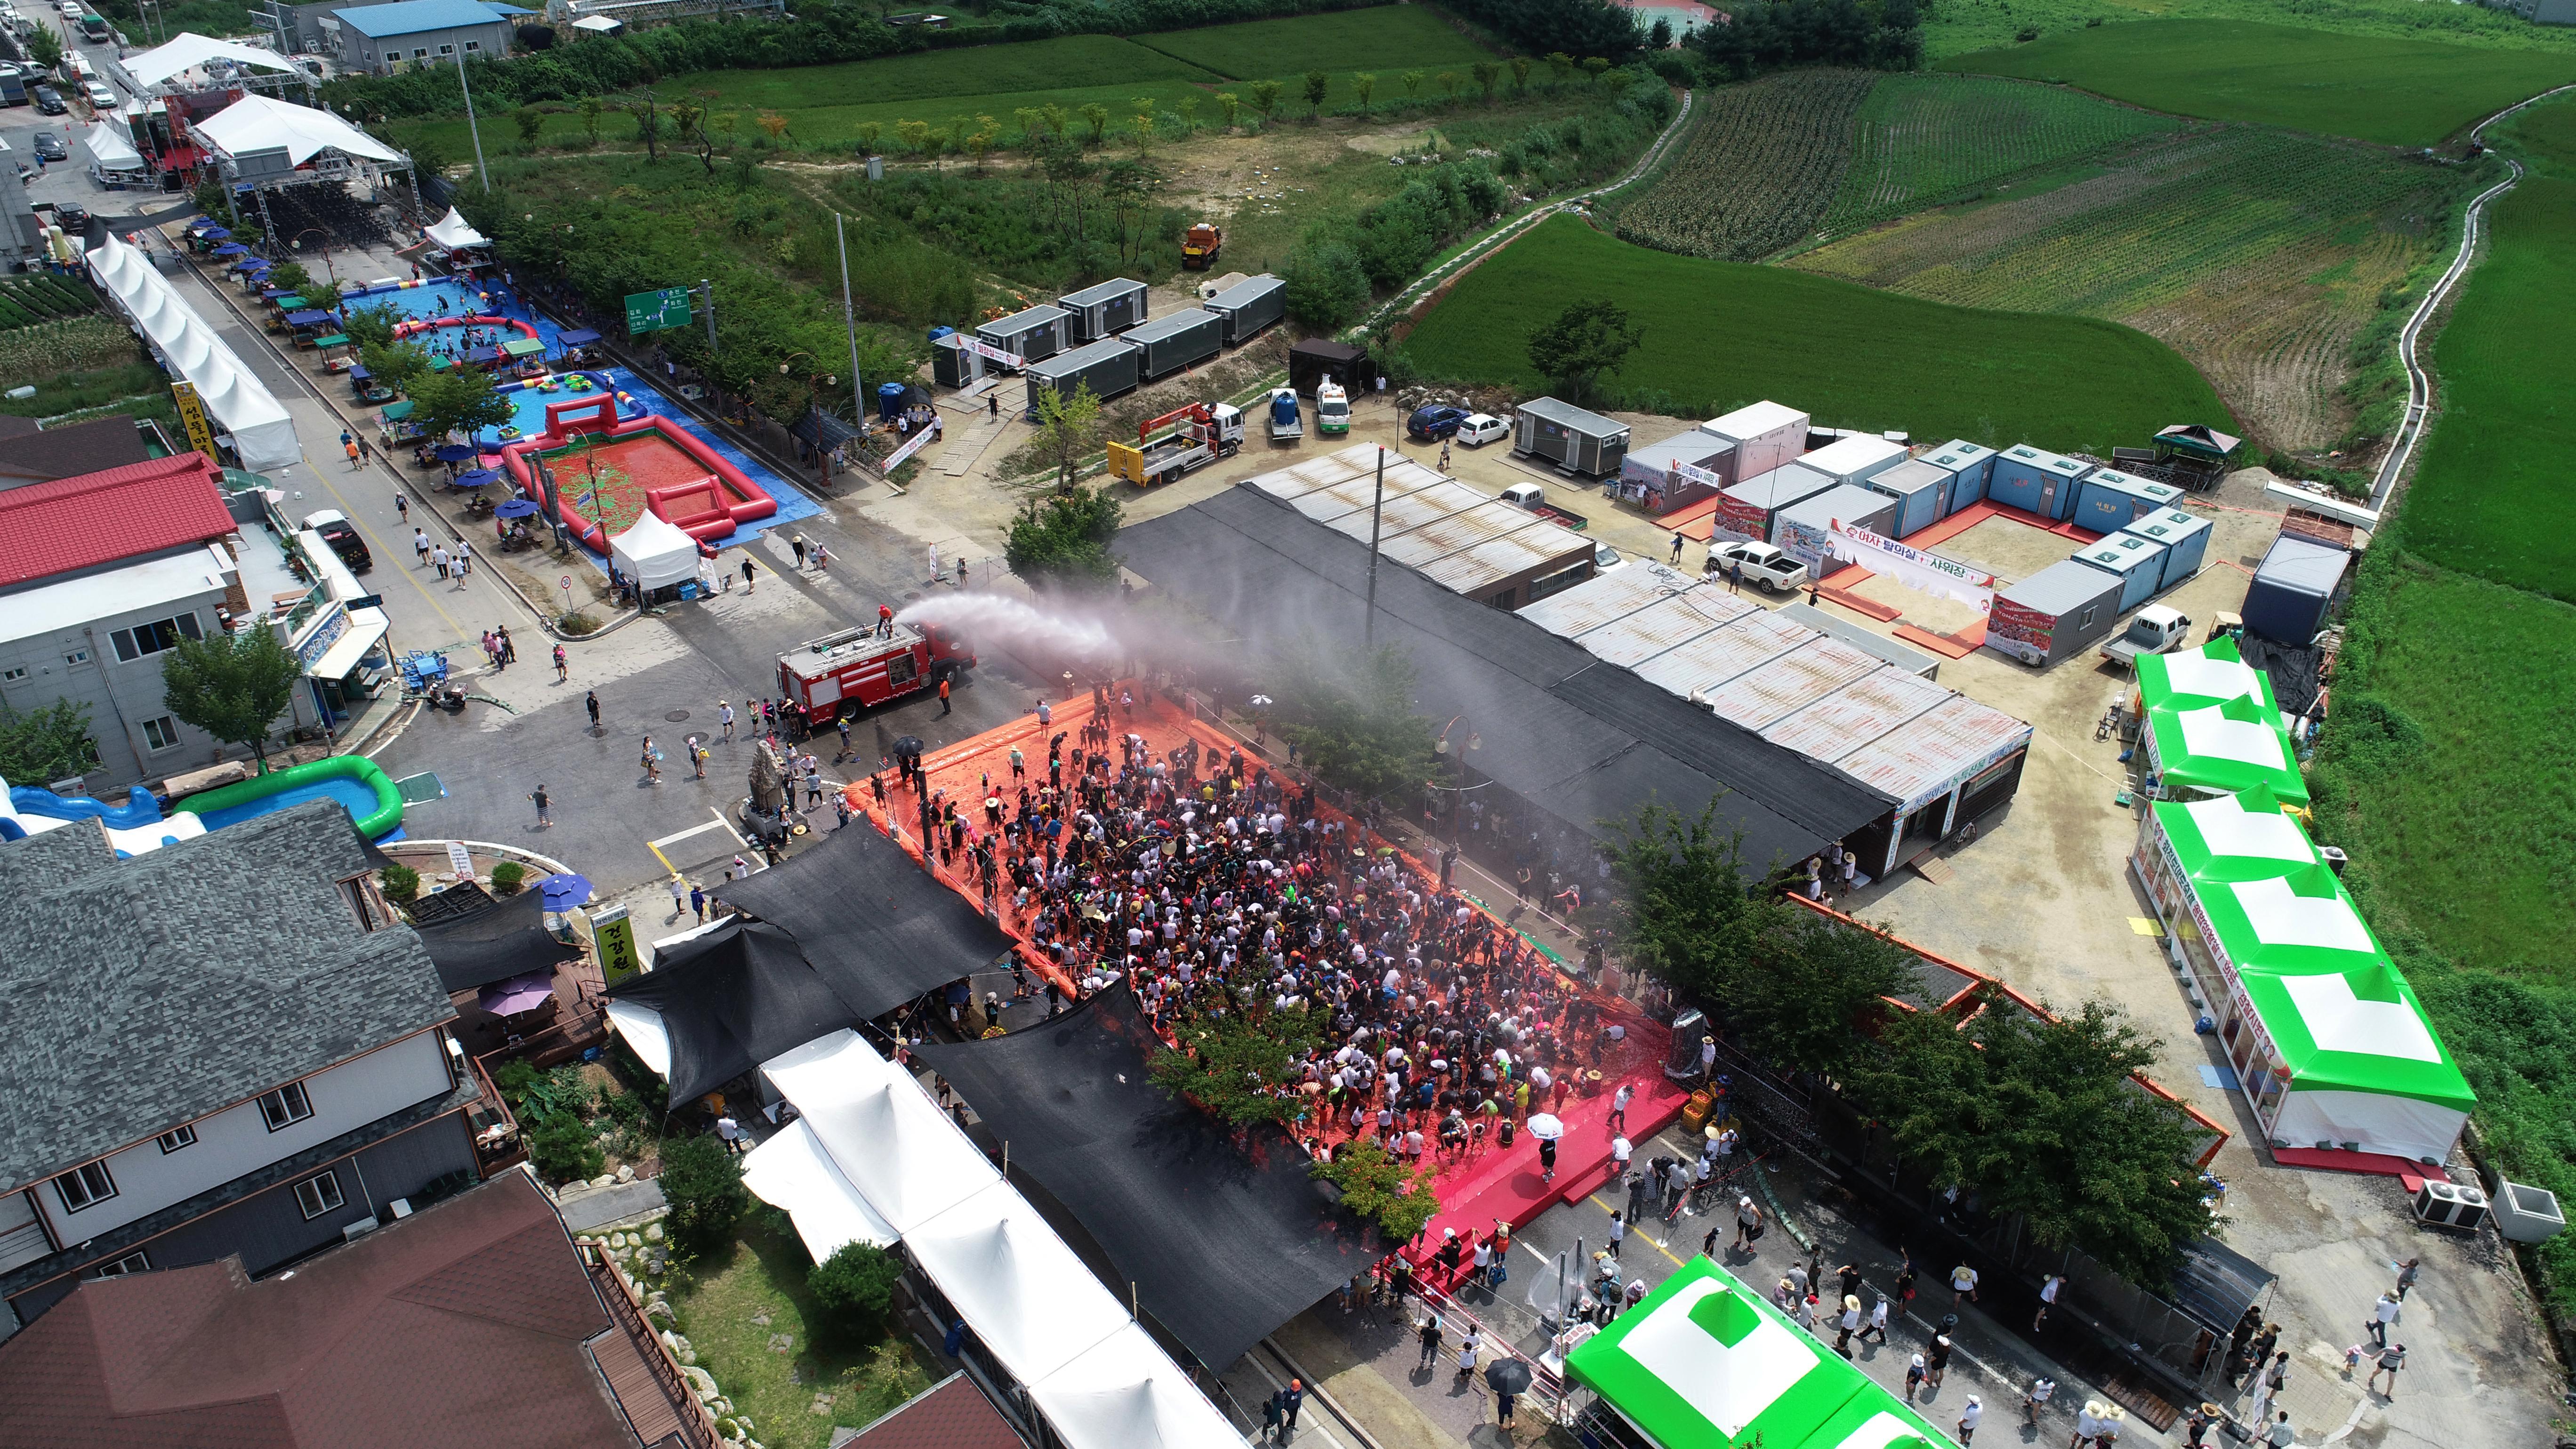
(522, 347)
(2295, 922)
(2211, 674)
(2357, 1031)
(396, 412)
(2234, 837)
(1704, 1360)
(2224, 748)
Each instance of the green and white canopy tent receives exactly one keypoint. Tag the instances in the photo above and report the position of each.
(2331, 1046)
(2214, 673)
(2220, 749)
(1706, 1362)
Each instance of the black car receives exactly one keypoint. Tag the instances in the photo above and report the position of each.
(50, 147)
(73, 219)
(336, 531)
(50, 101)
(1434, 421)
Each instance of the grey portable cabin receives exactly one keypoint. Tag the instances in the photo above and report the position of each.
(1108, 365)
(1035, 333)
(1102, 311)
(2064, 609)
(1183, 339)
(1569, 437)
(1250, 305)
(951, 365)
(2293, 588)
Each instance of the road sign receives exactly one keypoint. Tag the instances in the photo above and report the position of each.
(653, 311)
(366, 601)
(564, 583)
(192, 412)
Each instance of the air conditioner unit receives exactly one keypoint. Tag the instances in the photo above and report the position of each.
(2450, 1205)
(358, 1229)
(400, 1207)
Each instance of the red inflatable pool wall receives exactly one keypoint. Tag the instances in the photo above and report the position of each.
(426, 324)
(700, 509)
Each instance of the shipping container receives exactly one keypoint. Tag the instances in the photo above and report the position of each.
(1109, 366)
(1031, 335)
(1747, 510)
(951, 365)
(1854, 458)
(1569, 437)
(2293, 589)
(2036, 481)
(1102, 311)
(1651, 467)
(2110, 500)
(1970, 466)
(1250, 305)
(1918, 488)
(2060, 612)
(1321, 359)
(1183, 339)
(2138, 563)
(2186, 540)
(1804, 529)
(1766, 435)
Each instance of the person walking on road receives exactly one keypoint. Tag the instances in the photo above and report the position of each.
(1270, 1417)
(545, 806)
(2281, 1435)
(1677, 548)
(943, 694)
(698, 901)
(1291, 1399)
(652, 761)
(2035, 1398)
(724, 713)
(591, 702)
(1428, 1331)
(563, 666)
(1963, 1285)
(2390, 1361)
(798, 543)
(746, 578)
(1468, 1348)
(349, 445)
(1618, 1231)
(438, 557)
(1748, 1222)
(1877, 1322)
(2382, 1314)
(1969, 1414)
(679, 897)
(464, 560)
(2048, 1290)
(402, 505)
(2406, 1276)
(420, 545)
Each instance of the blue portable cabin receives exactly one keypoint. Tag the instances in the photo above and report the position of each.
(2139, 564)
(2186, 540)
(2110, 500)
(2036, 481)
(1970, 466)
(2294, 588)
(1918, 488)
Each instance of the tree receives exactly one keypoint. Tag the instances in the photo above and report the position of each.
(1057, 118)
(1326, 286)
(855, 1285)
(1660, 35)
(1487, 72)
(1562, 64)
(1448, 82)
(915, 136)
(1096, 116)
(397, 365)
(1811, 984)
(688, 124)
(868, 132)
(1520, 75)
(1060, 542)
(773, 125)
(1232, 105)
(1317, 85)
(40, 746)
(1587, 339)
(703, 1184)
(1685, 904)
(1241, 1064)
(1413, 80)
(1380, 1188)
(1364, 85)
(232, 686)
(530, 121)
(459, 400)
(1265, 98)
(323, 298)
(980, 144)
(1595, 67)
(290, 278)
(647, 111)
(45, 47)
(1351, 716)
(370, 326)
(590, 107)
(1188, 107)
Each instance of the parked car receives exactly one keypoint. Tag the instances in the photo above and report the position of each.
(1478, 429)
(1764, 564)
(51, 147)
(1605, 558)
(1433, 421)
(337, 531)
(100, 97)
(73, 219)
(51, 102)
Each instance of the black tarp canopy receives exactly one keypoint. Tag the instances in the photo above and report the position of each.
(1223, 1243)
(875, 925)
(732, 999)
(495, 942)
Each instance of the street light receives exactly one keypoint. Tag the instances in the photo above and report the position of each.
(814, 411)
(327, 268)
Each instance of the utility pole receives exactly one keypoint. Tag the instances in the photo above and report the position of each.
(707, 285)
(471, 129)
(850, 321)
(1377, 507)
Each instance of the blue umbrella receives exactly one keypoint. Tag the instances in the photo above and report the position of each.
(563, 892)
(454, 453)
(517, 508)
(213, 233)
(474, 477)
(232, 249)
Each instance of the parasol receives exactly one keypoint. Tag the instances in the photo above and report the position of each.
(475, 477)
(1507, 1376)
(563, 892)
(1545, 1127)
(517, 508)
(518, 994)
(454, 453)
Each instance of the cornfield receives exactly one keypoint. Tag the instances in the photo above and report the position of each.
(27, 301)
(1757, 172)
(33, 352)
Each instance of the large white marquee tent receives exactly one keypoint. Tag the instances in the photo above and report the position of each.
(263, 433)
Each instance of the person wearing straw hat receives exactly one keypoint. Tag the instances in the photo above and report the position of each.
(2202, 1420)
(2114, 1420)
(1848, 1325)
(2088, 1424)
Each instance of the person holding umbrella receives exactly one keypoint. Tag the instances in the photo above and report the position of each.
(1509, 1378)
(1547, 1128)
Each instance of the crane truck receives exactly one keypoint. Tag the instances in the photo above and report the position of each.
(1200, 245)
(1199, 433)
(1332, 408)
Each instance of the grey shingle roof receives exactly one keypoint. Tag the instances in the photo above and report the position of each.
(147, 992)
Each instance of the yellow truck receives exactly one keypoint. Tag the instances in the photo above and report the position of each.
(1178, 442)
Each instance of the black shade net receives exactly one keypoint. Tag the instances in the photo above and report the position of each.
(732, 999)
(504, 939)
(1223, 1242)
(874, 923)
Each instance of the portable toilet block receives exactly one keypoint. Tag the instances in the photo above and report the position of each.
(1102, 311)
(1804, 529)
(1766, 435)
(1918, 488)
(2110, 500)
(2138, 562)
(2186, 540)
(2036, 481)
(951, 365)
(2063, 610)
(1028, 335)
(1969, 465)
(1854, 458)
(1746, 511)
(1654, 467)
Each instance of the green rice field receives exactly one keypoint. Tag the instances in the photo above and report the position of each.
(1385, 39)
(1718, 334)
(2371, 88)
(1923, 139)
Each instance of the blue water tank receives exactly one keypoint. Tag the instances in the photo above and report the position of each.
(938, 332)
(890, 400)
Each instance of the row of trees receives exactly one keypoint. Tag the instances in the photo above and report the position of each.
(2033, 1117)
(1772, 34)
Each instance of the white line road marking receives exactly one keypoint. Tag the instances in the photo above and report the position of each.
(715, 824)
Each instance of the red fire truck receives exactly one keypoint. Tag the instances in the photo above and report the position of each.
(860, 667)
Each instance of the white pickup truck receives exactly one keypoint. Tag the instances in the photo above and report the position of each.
(1761, 563)
(2157, 629)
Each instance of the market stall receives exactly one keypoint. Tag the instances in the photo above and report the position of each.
(2328, 1043)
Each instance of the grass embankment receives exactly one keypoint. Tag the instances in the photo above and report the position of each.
(2448, 770)
(747, 1313)
(1719, 334)
(2397, 92)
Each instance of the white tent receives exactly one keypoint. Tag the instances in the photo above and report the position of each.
(262, 432)
(655, 552)
(1031, 1300)
(645, 1034)
(793, 1172)
(109, 147)
(256, 123)
(455, 233)
(188, 50)
(892, 1142)
(1126, 1390)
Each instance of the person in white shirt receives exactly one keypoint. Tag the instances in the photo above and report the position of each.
(1969, 1414)
(2040, 1390)
(2047, 1298)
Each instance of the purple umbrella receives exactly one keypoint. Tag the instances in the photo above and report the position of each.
(518, 994)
